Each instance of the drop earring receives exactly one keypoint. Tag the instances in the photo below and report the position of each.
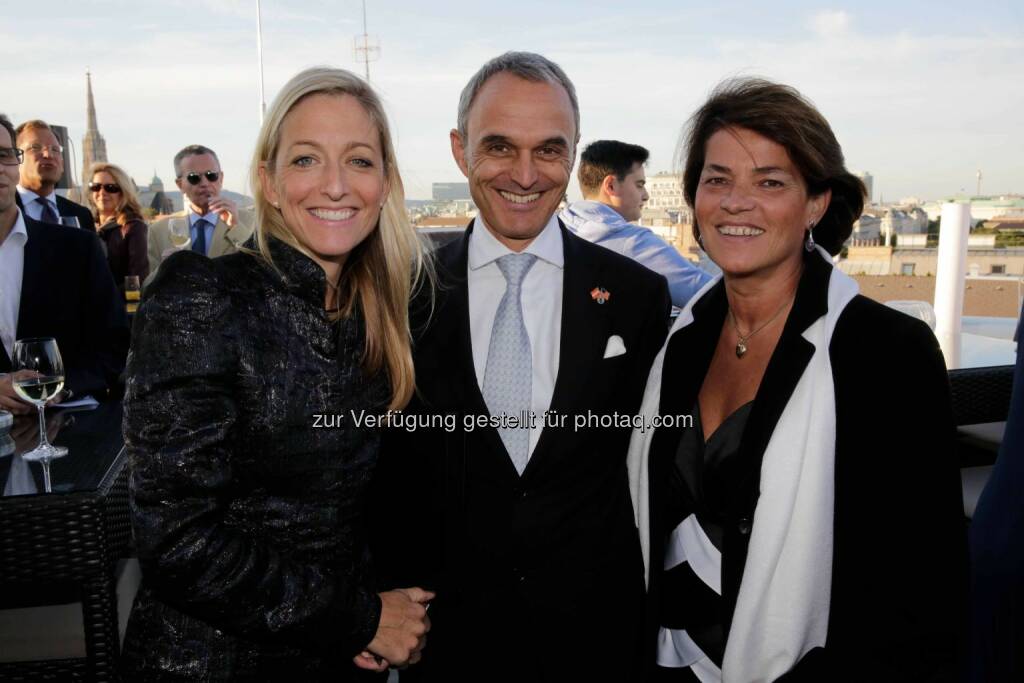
(809, 244)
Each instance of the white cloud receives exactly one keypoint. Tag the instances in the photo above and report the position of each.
(918, 106)
(828, 23)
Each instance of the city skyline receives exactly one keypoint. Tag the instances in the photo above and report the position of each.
(920, 96)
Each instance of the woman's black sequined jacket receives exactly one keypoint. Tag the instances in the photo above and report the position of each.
(248, 474)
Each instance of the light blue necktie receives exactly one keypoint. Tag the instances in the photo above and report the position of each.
(509, 373)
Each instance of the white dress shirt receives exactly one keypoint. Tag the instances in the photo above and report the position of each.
(541, 295)
(12, 266)
(33, 208)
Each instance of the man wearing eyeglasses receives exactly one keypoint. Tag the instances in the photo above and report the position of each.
(55, 282)
(40, 172)
(215, 225)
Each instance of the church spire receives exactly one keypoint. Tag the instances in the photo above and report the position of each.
(94, 147)
(90, 113)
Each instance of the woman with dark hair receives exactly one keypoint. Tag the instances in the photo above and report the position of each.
(795, 531)
(246, 382)
(115, 206)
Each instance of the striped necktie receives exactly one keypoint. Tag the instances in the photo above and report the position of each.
(48, 215)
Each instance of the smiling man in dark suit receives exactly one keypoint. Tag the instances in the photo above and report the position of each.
(40, 172)
(55, 282)
(520, 515)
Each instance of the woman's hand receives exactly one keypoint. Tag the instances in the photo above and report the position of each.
(402, 631)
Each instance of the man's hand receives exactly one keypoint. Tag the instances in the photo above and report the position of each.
(9, 400)
(402, 631)
(227, 209)
(371, 662)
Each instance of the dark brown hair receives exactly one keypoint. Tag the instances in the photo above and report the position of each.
(603, 158)
(783, 115)
(6, 123)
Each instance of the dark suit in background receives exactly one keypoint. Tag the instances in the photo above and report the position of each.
(997, 554)
(66, 207)
(67, 292)
(538, 577)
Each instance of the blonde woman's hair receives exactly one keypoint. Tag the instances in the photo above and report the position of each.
(380, 273)
(129, 208)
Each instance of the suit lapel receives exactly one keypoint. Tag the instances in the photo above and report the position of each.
(33, 282)
(32, 278)
(453, 327)
(583, 335)
(219, 242)
(786, 367)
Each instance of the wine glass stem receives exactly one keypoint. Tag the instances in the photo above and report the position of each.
(43, 441)
(47, 485)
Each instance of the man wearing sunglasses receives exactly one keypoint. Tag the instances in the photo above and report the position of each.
(215, 225)
(40, 172)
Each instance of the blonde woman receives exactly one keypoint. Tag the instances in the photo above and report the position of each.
(115, 207)
(246, 381)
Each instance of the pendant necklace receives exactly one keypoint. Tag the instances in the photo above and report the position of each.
(741, 345)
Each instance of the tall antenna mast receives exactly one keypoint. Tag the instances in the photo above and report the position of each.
(259, 59)
(365, 52)
(978, 193)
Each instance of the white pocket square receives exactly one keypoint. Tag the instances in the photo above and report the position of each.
(614, 347)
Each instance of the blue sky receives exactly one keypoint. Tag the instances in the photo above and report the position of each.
(921, 95)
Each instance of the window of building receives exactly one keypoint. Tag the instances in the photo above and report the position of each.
(907, 269)
(998, 268)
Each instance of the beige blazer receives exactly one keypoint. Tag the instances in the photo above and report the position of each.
(225, 240)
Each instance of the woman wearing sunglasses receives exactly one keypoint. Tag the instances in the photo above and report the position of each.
(246, 381)
(115, 206)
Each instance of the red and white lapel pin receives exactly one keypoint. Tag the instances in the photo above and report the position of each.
(600, 294)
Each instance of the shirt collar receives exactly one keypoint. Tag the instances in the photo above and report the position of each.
(18, 231)
(30, 196)
(484, 247)
(210, 217)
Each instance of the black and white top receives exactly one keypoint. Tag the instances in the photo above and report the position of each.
(691, 638)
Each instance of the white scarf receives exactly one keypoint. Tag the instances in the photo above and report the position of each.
(783, 603)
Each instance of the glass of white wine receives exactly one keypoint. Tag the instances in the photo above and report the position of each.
(132, 293)
(41, 378)
(181, 236)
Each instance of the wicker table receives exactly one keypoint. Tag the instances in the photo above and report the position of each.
(64, 546)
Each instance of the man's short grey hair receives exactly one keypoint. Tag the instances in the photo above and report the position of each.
(526, 65)
(192, 151)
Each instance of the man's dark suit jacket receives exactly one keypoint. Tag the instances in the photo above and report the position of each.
(67, 292)
(538, 577)
(997, 552)
(66, 207)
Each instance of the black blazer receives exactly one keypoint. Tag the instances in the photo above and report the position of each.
(899, 558)
(997, 553)
(538, 577)
(66, 207)
(67, 292)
